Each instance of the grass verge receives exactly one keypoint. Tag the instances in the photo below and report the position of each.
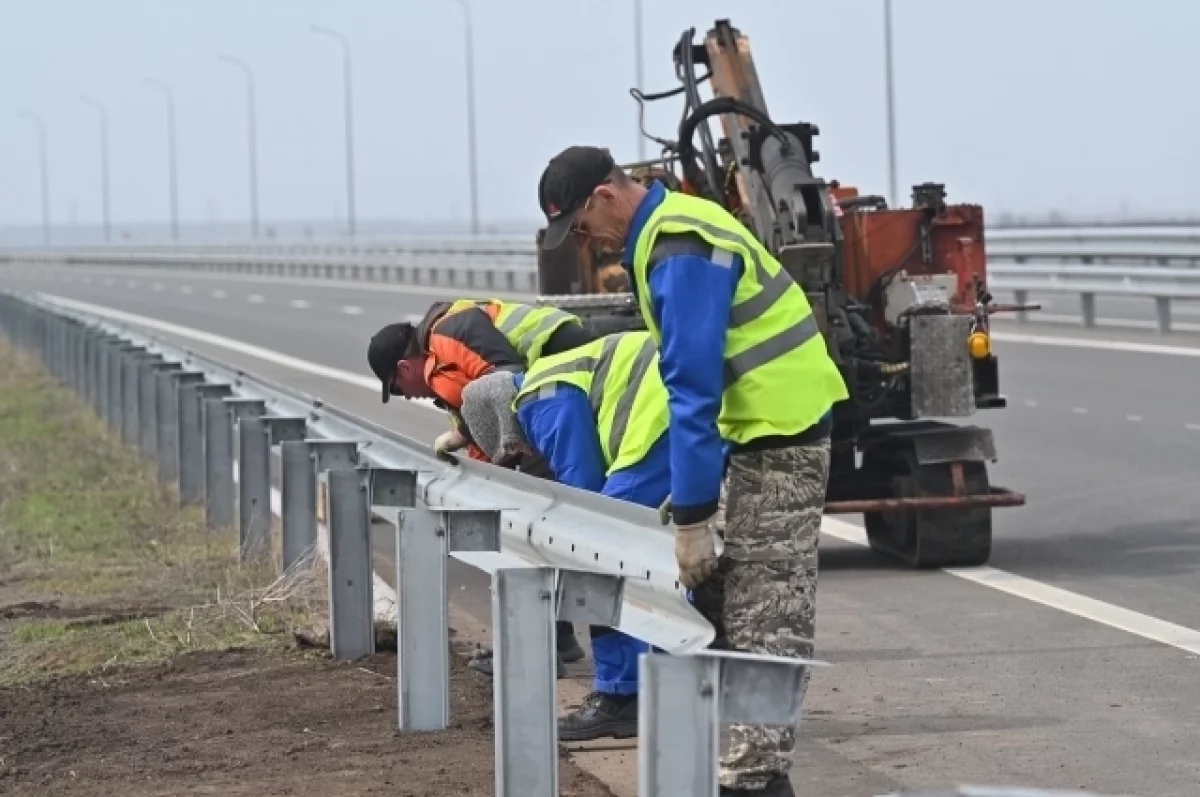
(98, 565)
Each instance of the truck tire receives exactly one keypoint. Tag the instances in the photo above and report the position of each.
(928, 538)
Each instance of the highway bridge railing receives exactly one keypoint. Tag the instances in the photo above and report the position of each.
(1161, 265)
(216, 434)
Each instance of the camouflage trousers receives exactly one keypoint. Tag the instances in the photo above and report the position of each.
(762, 597)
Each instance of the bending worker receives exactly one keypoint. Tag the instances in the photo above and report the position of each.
(598, 416)
(751, 386)
(457, 342)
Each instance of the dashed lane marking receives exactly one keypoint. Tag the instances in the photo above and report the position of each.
(218, 294)
(1134, 418)
(157, 287)
(299, 304)
(1132, 622)
(186, 290)
(1079, 410)
(255, 298)
(352, 309)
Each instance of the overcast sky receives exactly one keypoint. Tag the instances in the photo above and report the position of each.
(1025, 106)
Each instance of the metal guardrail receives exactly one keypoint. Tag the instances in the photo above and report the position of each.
(555, 553)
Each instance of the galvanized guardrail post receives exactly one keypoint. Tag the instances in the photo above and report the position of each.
(298, 496)
(130, 393)
(348, 522)
(116, 385)
(193, 461)
(351, 576)
(254, 489)
(218, 464)
(424, 539)
(684, 701)
(170, 384)
(526, 602)
(148, 403)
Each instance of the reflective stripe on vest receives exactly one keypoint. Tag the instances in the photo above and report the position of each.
(631, 413)
(528, 327)
(778, 376)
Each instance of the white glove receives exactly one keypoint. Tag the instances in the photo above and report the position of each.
(697, 547)
(452, 440)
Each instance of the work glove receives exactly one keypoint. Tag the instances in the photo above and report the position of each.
(697, 547)
(453, 440)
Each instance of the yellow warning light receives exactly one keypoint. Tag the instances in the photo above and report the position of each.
(979, 345)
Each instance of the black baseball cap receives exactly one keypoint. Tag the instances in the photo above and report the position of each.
(388, 347)
(568, 181)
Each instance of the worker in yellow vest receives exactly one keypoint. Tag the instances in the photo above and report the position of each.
(751, 389)
(459, 341)
(598, 416)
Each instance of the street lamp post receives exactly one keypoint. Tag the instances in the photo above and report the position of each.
(171, 156)
(104, 186)
(345, 43)
(45, 168)
(891, 101)
(469, 39)
(638, 69)
(252, 137)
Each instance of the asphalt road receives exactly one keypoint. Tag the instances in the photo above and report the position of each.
(937, 680)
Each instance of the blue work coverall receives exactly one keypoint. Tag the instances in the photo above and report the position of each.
(691, 297)
(563, 429)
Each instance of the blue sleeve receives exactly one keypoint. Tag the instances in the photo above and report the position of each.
(691, 297)
(562, 429)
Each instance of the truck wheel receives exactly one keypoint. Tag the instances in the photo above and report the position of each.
(929, 538)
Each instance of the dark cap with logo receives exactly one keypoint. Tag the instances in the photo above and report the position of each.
(388, 347)
(568, 181)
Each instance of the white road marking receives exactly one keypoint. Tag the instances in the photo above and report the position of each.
(1097, 611)
(1134, 418)
(1079, 410)
(218, 294)
(186, 290)
(157, 287)
(1192, 427)
(1106, 345)
(351, 309)
(299, 304)
(1030, 403)
(131, 284)
(255, 298)
(86, 280)
(1132, 622)
(110, 281)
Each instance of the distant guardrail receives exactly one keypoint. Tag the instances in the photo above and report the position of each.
(1158, 264)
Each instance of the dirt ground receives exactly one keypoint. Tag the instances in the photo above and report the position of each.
(247, 723)
(138, 657)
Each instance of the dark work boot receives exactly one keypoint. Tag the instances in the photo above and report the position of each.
(481, 662)
(568, 646)
(600, 716)
(780, 787)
